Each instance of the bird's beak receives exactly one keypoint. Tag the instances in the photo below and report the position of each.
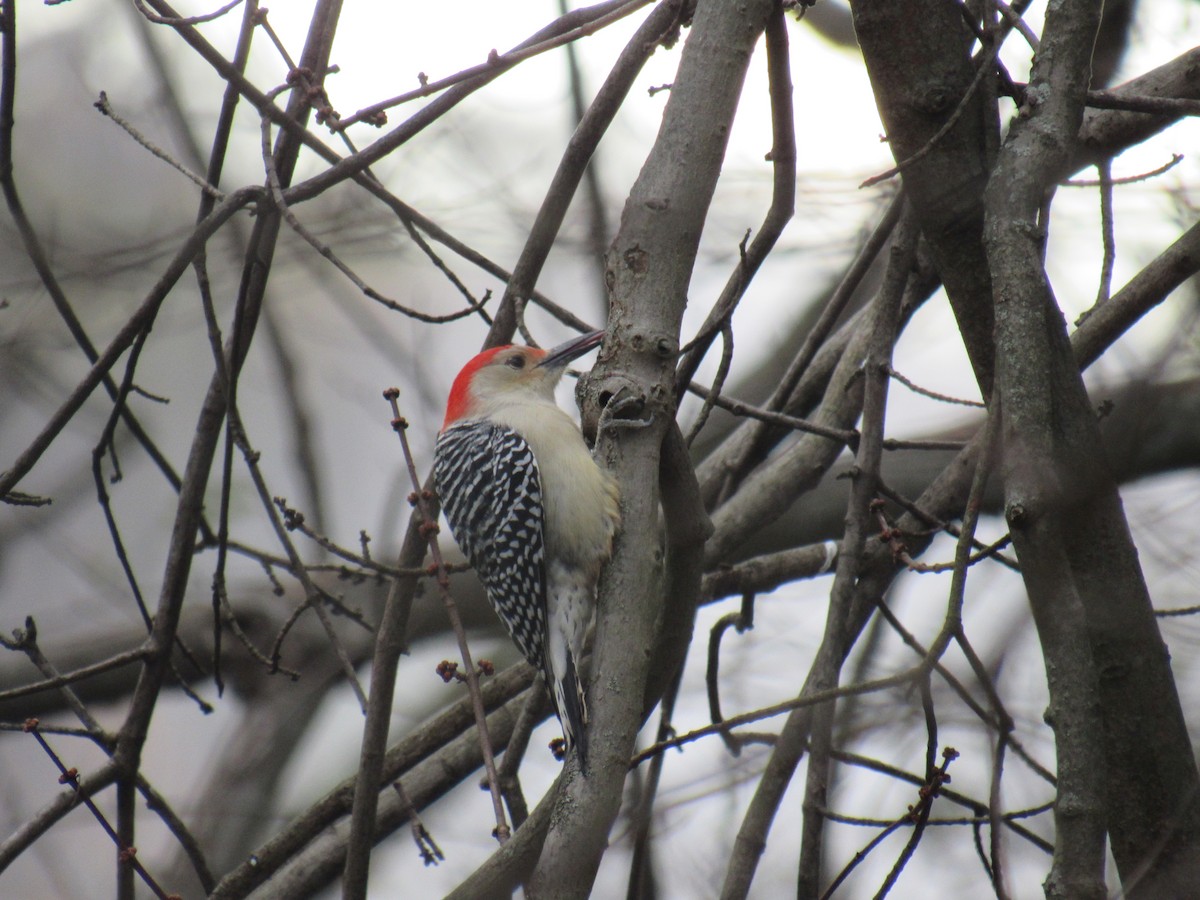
(558, 357)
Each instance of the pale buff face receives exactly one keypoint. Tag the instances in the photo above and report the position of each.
(514, 372)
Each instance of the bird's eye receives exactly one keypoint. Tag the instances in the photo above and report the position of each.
(516, 362)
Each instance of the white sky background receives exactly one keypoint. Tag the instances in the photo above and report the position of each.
(516, 128)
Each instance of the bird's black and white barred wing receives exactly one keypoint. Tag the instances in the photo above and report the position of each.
(487, 478)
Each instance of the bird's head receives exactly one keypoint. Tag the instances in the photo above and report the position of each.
(510, 373)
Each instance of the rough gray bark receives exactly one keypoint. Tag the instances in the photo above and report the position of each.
(1124, 757)
(649, 267)
(942, 129)
(945, 180)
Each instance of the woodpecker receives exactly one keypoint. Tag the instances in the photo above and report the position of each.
(530, 508)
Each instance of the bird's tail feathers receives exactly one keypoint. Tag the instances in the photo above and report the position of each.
(571, 707)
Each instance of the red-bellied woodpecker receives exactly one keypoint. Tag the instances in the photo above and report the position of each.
(530, 508)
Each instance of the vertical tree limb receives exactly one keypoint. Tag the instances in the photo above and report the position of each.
(917, 56)
(1124, 757)
(648, 270)
(134, 730)
(827, 666)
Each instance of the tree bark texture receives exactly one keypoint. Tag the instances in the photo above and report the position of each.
(649, 267)
(1077, 557)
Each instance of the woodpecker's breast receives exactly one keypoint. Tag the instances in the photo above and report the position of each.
(579, 498)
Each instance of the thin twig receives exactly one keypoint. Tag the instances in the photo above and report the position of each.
(70, 777)
(742, 621)
(766, 416)
(368, 568)
(826, 668)
(984, 551)
(944, 821)
(134, 325)
(1001, 721)
(933, 395)
(718, 382)
(980, 809)
(533, 711)
(750, 448)
(1104, 291)
(429, 527)
(116, 661)
(495, 64)
(641, 865)
(184, 20)
(994, 869)
(934, 779)
(1176, 159)
(106, 109)
(98, 452)
(326, 251)
(26, 641)
(431, 853)
(917, 816)
(314, 596)
(295, 521)
(768, 712)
